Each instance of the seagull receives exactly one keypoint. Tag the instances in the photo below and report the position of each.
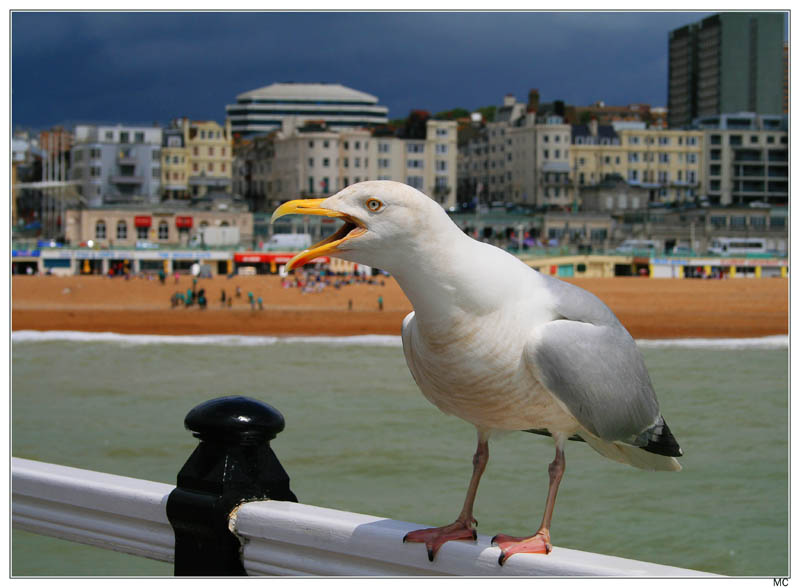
(498, 344)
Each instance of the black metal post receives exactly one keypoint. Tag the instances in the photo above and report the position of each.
(232, 464)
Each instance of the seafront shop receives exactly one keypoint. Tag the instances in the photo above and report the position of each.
(609, 266)
(719, 267)
(90, 261)
(258, 263)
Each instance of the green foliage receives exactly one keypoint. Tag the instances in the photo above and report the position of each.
(488, 112)
(452, 114)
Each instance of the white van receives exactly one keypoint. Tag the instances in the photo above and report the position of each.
(288, 241)
(637, 247)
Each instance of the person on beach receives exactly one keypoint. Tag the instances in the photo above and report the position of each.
(260, 303)
(380, 302)
(252, 300)
(222, 298)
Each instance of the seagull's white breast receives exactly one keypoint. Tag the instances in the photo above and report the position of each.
(474, 367)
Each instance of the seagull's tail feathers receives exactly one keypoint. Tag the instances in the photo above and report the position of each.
(639, 457)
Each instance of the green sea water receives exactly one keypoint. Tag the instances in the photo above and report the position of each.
(360, 437)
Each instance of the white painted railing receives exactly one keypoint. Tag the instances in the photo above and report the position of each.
(279, 538)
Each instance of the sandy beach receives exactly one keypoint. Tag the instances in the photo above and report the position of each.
(649, 308)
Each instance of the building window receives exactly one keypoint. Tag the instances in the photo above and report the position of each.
(735, 140)
(691, 158)
(326, 162)
(310, 162)
(414, 182)
(716, 139)
(356, 160)
(663, 140)
(546, 154)
(383, 147)
(663, 157)
(141, 233)
(163, 230)
(210, 151)
(195, 152)
(441, 132)
(633, 157)
(441, 165)
(691, 140)
(122, 230)
(441, 149)
(310, 184)
(415, 147)
(139, 137)
(100, 230)
(210, 166)
(124, 137)
(414, 163)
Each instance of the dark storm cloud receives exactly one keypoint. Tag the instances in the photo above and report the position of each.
(146, 67)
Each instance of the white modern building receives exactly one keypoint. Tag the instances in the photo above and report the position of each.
(339, 107)
(117, 163)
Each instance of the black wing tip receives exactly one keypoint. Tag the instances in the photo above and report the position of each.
(660, 440)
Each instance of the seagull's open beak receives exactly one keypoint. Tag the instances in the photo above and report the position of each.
(350, 229)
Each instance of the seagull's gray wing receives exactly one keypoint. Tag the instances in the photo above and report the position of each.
(591, 364)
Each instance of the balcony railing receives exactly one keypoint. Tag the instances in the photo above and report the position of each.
(229, 518)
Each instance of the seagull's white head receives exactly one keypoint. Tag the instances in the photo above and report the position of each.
(383, 220)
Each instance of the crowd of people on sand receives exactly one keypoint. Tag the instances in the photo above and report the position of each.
(195, 296)
(317, 280)
(306, 282)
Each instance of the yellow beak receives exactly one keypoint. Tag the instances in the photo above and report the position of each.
(352, 228)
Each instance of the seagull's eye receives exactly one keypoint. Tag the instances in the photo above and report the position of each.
(374, 204)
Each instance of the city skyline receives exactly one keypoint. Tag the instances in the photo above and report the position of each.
(141, 68)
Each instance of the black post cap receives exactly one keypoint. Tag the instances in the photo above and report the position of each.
(229, 418)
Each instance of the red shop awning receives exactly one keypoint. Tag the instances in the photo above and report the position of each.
(142, 221)
(257, 257)
(183, 222)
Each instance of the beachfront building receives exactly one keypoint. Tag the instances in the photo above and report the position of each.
(540, 162)
(746, 159)
(314, 161)
(426, 162)
(252, 171)
(520, 157)
(117, 163)
(197, 158)
(114, 236)
(267, 109)
(728, 62)
(665, 165)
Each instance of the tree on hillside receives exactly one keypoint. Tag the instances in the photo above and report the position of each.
(488, 112)
(452, 114)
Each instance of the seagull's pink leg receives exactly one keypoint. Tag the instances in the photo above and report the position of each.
(540, 541)
(462, 528)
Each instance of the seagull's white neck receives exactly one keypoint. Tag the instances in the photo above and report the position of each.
(452, 274)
